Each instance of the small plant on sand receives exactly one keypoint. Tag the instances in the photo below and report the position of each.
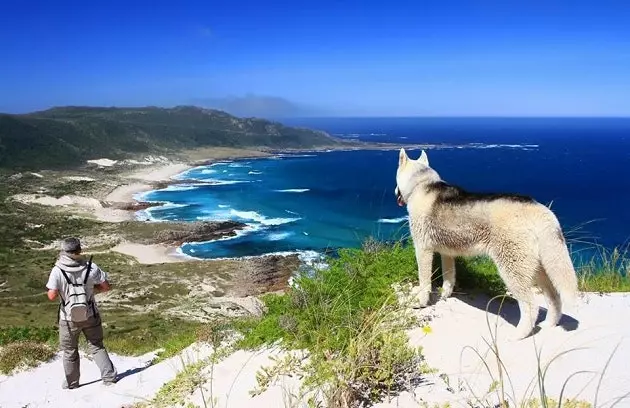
(607, 271)
(352, 326)
(350, 323)
(195, 376)
(23, 353)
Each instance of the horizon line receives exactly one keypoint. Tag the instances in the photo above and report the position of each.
(338, 116)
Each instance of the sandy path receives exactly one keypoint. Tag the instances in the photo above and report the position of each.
(42, 387)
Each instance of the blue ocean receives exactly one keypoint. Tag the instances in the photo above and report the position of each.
(311, 203)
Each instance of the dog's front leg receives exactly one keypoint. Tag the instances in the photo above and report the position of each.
(448, 274)
(424, 258)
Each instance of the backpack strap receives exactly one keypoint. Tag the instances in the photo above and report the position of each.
(66, 276)
(63, 302)
(87, 272)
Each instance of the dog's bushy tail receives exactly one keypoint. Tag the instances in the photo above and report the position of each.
(555, 258)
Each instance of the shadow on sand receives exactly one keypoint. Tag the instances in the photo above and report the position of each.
(507, 309)
(122, 375)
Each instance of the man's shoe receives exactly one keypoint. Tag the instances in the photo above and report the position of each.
(107, 383)
(65, 386)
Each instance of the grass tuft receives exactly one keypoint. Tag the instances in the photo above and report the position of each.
(23, 353)
(348, 319)
(607, 271)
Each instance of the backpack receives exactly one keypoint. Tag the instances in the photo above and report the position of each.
(76, 303)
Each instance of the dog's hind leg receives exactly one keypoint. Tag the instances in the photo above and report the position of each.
(519, 278)
(529, 312)
(448, 274)
(552, 297)
(424, 258)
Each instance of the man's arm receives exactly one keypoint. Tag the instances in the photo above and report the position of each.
(101, 284)
(52, 285)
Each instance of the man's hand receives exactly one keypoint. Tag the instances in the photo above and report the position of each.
(102, 287)
(52, 294)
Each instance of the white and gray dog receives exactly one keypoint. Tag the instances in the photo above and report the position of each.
(521, 236)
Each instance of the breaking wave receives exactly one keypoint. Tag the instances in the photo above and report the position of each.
(278, 236)
(261, 219)
(294, 190)
(393, 220)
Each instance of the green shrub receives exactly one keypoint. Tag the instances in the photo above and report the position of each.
(27, 353)
(348, 319)
(37, 334)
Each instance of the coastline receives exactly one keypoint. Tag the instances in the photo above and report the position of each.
(145, 180)
(117, 199)
(157, 176)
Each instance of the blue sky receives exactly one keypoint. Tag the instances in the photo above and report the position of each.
(386, 58)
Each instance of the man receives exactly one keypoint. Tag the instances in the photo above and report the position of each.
(70, 270)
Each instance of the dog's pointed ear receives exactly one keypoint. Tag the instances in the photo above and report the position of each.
(402, 157)
(423, 158)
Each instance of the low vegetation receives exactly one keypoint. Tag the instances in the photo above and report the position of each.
(24, 354)
(350, 323)
(152, 306)
(348, 318)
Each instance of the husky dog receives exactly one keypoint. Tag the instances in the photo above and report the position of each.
(521, 236)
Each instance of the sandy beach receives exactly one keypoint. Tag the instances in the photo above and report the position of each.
(143, 180)
(151, 254)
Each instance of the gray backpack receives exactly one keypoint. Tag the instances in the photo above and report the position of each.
(75, 301)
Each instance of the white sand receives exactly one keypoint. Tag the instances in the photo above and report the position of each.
(144, 178)
(103, 162)
(457, 324)
(85, 206)
(126, 192)
(150, 254)
(230, 381)
(92, 207)
(41, 387)
(78, 178)
(65, 201)
(159, 173)
(602, 325)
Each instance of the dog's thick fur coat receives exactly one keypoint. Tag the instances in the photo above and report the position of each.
(521, 236)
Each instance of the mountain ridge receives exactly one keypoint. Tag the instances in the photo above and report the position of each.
(60, 136)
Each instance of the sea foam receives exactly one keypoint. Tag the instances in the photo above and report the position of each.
(393, 220)
(294, 190)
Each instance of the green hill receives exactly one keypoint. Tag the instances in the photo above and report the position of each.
(67, 136)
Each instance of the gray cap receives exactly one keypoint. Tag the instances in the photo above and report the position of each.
(71, 245)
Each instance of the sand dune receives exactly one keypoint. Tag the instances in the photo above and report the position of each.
(459, 326)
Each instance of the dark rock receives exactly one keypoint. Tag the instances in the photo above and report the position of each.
(264, 274)
(131, 206)
(198, 232)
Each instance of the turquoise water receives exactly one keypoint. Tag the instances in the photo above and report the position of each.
(315, 202)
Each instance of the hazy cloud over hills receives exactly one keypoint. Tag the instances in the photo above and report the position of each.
(261, 106)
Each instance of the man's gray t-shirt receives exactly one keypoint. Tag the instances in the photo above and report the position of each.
(58, 282)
